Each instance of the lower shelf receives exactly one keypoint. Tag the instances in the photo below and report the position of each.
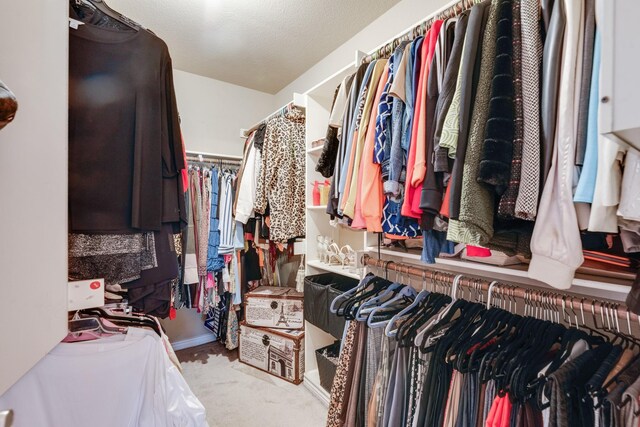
(312, 383)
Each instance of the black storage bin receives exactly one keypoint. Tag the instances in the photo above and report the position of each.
(315, 299)
(319, 292)
(326, 366)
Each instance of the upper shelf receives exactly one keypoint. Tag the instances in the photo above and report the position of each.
(587, 280)
(344, 271)
(326, 88)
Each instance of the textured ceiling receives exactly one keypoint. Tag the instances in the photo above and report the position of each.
(259, 44)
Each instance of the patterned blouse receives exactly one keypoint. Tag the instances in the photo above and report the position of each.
(281, 183)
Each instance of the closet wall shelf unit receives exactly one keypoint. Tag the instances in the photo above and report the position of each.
(614, 286)
(318, 102)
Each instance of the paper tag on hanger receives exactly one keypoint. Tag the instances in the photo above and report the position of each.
(85, 294)
(74, 23)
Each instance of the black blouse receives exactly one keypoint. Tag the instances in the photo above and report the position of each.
(125, 147)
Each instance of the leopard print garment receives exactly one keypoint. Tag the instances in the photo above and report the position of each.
(338, 401)
(281, 182)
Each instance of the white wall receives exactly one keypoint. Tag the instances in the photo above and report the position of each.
(393, 22)
(213, 112)
(33, 185)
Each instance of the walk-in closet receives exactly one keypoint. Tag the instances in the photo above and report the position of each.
(368, 213)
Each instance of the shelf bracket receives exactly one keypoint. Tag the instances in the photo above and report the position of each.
(360, 55)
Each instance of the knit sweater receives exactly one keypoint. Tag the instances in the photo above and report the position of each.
(513, 236)
(475, 222)
(497, 149)
(507, 206)
(529, 190)
(468, 82)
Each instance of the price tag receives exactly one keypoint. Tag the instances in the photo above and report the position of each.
(74, 23)
(85, 294)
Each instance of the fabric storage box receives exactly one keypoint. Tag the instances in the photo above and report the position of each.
(327, 358)
(315, 299)
(274, 307)
(279, 352)
(319, 292)
(335, 323)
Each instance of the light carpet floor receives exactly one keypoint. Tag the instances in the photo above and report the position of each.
(238, 395)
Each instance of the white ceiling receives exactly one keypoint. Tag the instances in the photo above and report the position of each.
(259, 44)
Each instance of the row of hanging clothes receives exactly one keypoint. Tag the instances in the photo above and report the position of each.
(273, 178)
(213, 247)
(446, 356)
(271, 195)
(126, 154)
(483, 131)
(226, 252)
(107, 348)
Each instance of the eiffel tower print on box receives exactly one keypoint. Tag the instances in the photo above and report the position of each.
(275, 307)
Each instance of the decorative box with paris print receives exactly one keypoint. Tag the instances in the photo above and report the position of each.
(275, 307)
(276, 351)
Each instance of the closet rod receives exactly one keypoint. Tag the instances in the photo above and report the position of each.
(212, 156)
(447, 11)
(573, 302)
(214, 162)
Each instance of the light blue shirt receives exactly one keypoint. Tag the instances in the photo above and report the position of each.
(587, 182)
